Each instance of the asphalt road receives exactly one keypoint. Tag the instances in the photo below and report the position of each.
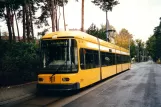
(138, 87)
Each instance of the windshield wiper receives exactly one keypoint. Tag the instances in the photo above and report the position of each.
(57, 71)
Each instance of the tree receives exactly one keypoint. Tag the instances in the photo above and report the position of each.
(133, 49)
(64, 13)
(157, 34)
(123, 38)
(100, 33)
(25, 10)
(93, 30)
(105, 5)
(5, 13)
(64, 18)
(0, 33)
(82, 20)
(49, 9)
(154, 43)
(139, 49)
(151, 47)
(111, 33)
(17, 26)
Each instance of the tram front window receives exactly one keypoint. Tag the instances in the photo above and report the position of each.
(59, 56)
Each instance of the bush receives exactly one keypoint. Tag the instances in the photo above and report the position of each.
(18, 62)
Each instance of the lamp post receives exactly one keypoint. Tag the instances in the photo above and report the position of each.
(107, 26)
(108, 32)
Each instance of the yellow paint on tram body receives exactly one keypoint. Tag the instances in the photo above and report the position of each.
(87, 76)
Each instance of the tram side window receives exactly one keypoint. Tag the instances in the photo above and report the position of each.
(88, 59)
(127, 59)
(106, 59)
(118, 59)
(112, 58)
(96, 59)
(82, 59)
(122, 59)
(74, 55)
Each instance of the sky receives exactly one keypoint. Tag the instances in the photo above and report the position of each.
(139, 17)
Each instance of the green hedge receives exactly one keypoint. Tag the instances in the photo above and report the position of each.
(19, 62)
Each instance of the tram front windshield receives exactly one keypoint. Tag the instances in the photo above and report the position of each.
(60, 56)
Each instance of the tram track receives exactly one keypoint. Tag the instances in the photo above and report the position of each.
(42, 101)
(52, 102)
(59, 99)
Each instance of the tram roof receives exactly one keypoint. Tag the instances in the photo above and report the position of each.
(81, 35)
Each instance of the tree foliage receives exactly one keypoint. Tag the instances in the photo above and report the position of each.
(123, 38)
(140, 50)
(133, 47)
(154, 43)
(93, 30)
(12, 10)
(105, 5)
(18, 62)
(151, 47)
(100, 32)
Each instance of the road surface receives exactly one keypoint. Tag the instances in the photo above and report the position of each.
(138, 87)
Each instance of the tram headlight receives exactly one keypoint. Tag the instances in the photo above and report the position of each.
(65, 79)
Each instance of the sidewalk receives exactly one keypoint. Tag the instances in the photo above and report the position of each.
(15, 94)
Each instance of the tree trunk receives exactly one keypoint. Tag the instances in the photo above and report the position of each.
(53, 15)
(56, 18)
(0, 33)
(9, 23)
(82, 25)
(64, 18)
(31, 24)
(24, 23)
(59, 17)
(13, 30)
(27, 24)
(12, 25)
(17, 26)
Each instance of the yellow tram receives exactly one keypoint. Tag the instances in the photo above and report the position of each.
(73, 59)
